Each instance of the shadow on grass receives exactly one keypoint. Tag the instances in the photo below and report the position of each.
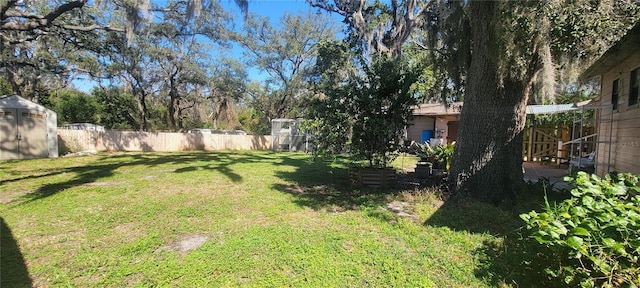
(325, 185)
(509, 259)
(517, 261)
(512, 258)
(13, 271)
(105, 166)
(474, 217)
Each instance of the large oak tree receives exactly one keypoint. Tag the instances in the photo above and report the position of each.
(513, 44)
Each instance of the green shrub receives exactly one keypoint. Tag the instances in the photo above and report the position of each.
(593, 237)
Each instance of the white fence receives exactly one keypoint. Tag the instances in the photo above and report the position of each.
(81, 140)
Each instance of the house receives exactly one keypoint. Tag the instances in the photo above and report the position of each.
(435, 121)
(27, 130)
(619, 71)
(438, 123)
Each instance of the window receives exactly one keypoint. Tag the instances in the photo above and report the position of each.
(615, 94)
(634, 84)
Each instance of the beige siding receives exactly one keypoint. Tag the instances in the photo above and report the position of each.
(79, 140)
(625, 128)
(414, 131)
(442, 123)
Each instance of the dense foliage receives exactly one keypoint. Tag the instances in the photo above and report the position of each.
(362, 106)
(117, 110)
(593, 237)
(174, 57)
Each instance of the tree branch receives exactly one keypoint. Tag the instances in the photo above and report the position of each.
(5, 8)
(90, 28)
(37, 22)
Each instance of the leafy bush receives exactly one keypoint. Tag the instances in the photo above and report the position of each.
(444, 155)
(441, 155)
(425, 151)
(363, 105)
(594, 237)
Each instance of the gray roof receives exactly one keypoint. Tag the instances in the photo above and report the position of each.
(15, 101)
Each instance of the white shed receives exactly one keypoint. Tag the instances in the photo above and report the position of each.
(27, 130)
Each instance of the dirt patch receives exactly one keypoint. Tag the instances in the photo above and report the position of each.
(401, 209)
(133, 279)
(106, 183)
(10, 197)
(128, 230)
(300, 190)
(186, 243)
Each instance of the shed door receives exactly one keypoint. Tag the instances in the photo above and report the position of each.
(8, 134)
(32, 133)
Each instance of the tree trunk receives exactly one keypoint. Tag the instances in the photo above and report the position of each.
(172, 108)
(488, 154)
(174, 102)
(142, 110)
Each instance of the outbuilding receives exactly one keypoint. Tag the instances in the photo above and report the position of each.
(287, 136)
(27, 130)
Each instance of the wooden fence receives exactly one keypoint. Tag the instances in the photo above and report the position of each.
(82, 140)
(541, 143)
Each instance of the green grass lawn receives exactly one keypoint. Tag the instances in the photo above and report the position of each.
(253, 219)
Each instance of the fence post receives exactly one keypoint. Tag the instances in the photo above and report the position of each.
(530, 150)
(559, 154)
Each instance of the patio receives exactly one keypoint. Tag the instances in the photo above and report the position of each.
(554, 173)
(532, 172)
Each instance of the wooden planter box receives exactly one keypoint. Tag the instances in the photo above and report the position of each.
(372, 177)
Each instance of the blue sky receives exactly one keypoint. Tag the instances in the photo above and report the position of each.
(273, 9)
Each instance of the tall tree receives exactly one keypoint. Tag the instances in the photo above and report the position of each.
(181, 53)
(488, 152)
(512, 44)
(227, 86)
(44, 40)
(378, 27)
(131, 66)
(287, 54)
(367, 102)
(41, 40)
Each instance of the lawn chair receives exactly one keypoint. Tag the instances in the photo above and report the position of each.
(584, 163)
